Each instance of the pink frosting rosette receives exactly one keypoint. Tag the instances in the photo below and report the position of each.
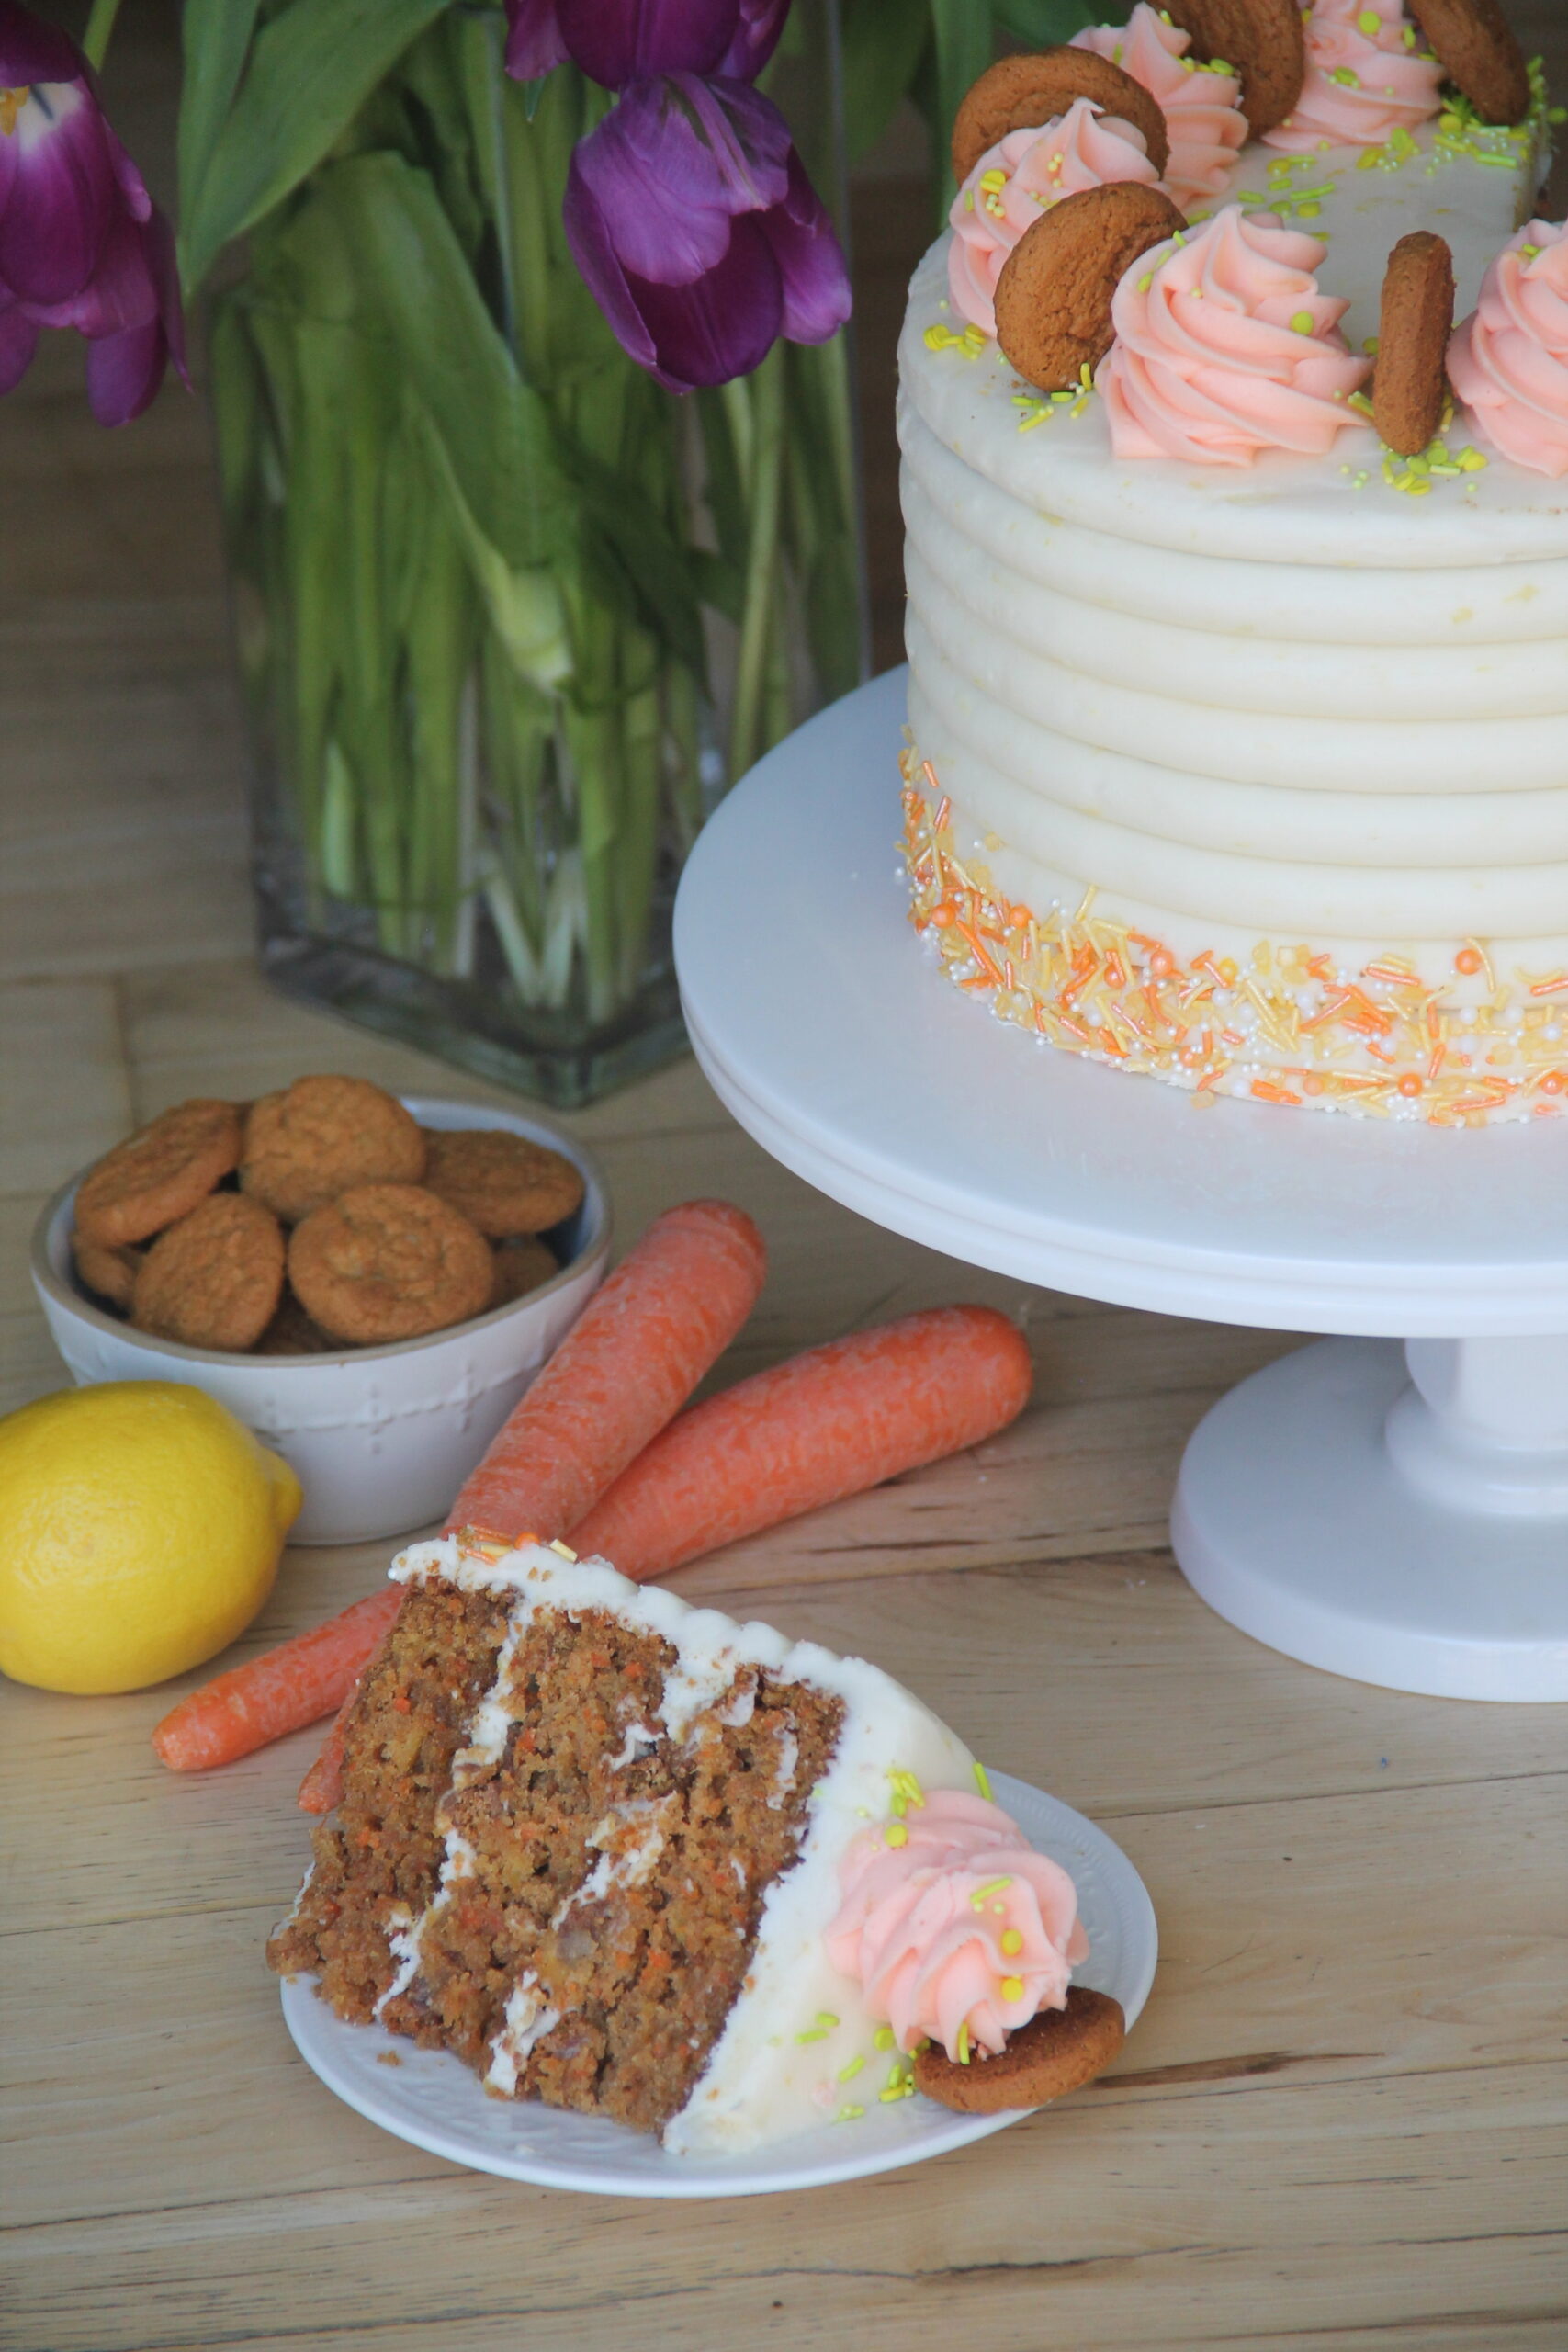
(1363, 79)
(1225, 347)
(957, 1930)
(1202, 108)
(1508, 361)
(1020, 177)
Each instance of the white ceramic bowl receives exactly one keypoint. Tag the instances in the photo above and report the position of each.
(381, 1438)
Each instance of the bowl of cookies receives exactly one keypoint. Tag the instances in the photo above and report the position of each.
(369, 1283)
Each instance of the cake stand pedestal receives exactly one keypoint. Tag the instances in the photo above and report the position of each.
(1395, 1514)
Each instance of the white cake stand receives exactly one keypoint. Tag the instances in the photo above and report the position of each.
(1395, 1514)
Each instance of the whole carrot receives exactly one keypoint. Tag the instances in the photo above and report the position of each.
(280, 1691)
(826, 1424)
(633, 1356)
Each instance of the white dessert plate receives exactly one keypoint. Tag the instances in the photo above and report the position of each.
(432, 2098)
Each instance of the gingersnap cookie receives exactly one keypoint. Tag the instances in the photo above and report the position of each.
(1262, 40)
(1409, 384)
(502, 1182)
(1057, 2051)
(388, 1261)
(158, 1174)
(1479, 50)
(292, 1333)
(110, 1272)
(214, 1278)
(1026, 93)
(305, 1146)
(1054, 295)
(518, 1267)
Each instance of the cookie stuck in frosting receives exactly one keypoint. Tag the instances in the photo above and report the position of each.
(1479, 50)
(1021, 93)
(1365, 79)
(1409, 383)
(1262, 39)
(1054, 292)
(1201, 104)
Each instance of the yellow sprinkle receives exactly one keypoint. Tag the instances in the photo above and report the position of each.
(1370, 23)
(963, 2043)
(851, 2114)
(883, 2037)
(1302, 322)
(825, 2017)
(1146, 280)
(900, 2089)
(847, 2074)
(895, 1834)
(982, 1894)
(1013, 1988)
(1013, 1941)
(564, 1549)
(818, 2036)
(982, 1778)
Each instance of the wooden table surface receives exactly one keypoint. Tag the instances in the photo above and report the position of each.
(1340, 2122)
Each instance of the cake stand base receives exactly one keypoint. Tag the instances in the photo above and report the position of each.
(1353, 1506)
(1401, 1517)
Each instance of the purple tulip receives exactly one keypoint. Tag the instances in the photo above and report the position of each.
(81, 242)
(693, 222)
(617, 42)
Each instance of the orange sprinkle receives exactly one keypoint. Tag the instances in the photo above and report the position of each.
(981, 953)
(1410, 1084)
(1553, 986)
(1268, 1091)
(1554, 1082)
(1468, 960)
(942, 915)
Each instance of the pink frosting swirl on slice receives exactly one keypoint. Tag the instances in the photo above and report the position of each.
(1508, 361)
(1363, 81)
(1202, 108)
(1224, 348)
(1024, 174)
(951, 1920)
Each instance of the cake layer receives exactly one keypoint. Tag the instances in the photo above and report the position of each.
(1345, 603)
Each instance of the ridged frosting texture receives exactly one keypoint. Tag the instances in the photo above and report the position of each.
(1202, 108)
(1225, 346)
(956, 1929)
(1024, 174)
(1508, 360)
(1364, 78)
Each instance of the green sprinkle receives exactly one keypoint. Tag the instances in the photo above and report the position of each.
(899, 2073)
(851, 2114)
(895, 1834)
(818, 2036)
(982, 1895)
(1346, 77)
(883, 2037)
(1370, 23)
(1308, 211)
(1529, 253)
(1302, 322)
(1471, 461)
(1370, 346)
(1246, 196)
(897, 2090)
(982, 1778)
(963, 2043)
(826, 2018)
(847, 2074)
(1146, 280)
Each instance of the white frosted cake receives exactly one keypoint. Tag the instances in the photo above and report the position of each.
(635, 1860)
(1244, 765)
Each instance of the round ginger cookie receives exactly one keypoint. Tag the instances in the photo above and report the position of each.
(1057, 2051)
(1054, 295)
(520, 1266)
(305, 1146)
(1262, 40)
(502, 1182)
(292, 1333)
(388, 1261)
(108, 1273)
(1409, 384)
(1479, 50)
(214, 1278)
(1026, 93)
(158, 1174)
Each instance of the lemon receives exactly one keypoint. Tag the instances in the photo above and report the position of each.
(140, 1526)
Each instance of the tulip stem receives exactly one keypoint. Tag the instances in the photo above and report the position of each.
(100, 25)
(766, 456)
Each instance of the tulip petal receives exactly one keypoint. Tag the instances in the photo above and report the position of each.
(617, 42)
(533, 43)
(31, 50)
(724, 323)
(18, 341)
(811, 261)
(670, 166)
(62, 198)
(756, 38)
(124, 372)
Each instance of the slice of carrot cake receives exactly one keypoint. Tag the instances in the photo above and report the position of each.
(631, 1858)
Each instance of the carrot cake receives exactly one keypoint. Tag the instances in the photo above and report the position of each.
(1238, 748)
(632, 1858)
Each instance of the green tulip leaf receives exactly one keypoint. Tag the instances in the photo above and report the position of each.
(215, 36)
(883, 42)
(312, 66)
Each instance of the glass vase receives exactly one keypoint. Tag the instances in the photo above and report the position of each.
(510, 617)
